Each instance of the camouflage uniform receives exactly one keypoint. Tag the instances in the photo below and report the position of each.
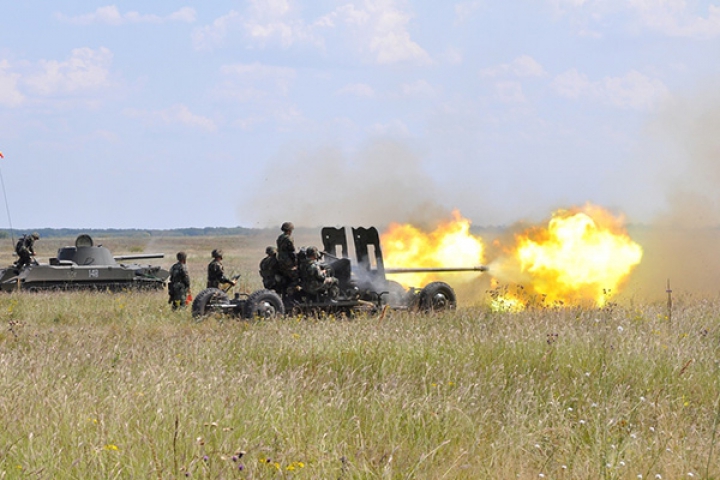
(269, 269)
(286, 256)
(179, 285)
(315, 278)
(25, 248)
(216, 274)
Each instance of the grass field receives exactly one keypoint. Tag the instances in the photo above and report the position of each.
(96, 385)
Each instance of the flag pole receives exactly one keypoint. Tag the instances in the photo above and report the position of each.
(7, 207)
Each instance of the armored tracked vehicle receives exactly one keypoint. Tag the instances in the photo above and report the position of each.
(363, 286)
(86, 267)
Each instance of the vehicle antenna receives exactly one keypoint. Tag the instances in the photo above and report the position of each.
(7, 208)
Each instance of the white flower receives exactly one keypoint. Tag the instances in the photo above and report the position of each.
(620, 329)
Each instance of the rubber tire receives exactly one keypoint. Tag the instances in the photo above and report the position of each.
(437, 297)
(264, 304)
(203, 303)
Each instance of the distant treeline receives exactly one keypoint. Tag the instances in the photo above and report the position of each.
(133, 232)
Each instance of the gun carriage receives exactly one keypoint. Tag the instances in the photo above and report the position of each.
(363, 286)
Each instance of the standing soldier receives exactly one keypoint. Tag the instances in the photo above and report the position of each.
(179, 285)
(25, 248)
(287, 259)
(216, 271)
(269, 268)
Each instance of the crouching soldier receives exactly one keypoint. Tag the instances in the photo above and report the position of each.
(179, 285)
(315, 276)
(25, 249)
(269, 269)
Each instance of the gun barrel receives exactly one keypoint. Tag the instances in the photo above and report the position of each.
(479, 268)
(139, 256)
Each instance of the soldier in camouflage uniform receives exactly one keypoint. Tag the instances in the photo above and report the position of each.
(315, 277)
(179, 284)
(269, 269)
(216, 271)
(25, 248)
(286, 256)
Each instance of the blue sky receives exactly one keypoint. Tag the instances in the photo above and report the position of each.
(173, 114)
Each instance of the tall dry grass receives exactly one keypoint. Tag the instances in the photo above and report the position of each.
(95, 385)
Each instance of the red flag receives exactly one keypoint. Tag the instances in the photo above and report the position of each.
(1, 155)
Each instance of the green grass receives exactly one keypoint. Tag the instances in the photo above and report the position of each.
(97, 385)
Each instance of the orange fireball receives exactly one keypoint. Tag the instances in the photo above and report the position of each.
(581, 256)
(450, 245)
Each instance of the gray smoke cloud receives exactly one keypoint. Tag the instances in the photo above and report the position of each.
(682, 245)
(384, 182)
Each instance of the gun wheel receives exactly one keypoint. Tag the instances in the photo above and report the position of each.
(437, 297)
(207, 302)
(264, 304)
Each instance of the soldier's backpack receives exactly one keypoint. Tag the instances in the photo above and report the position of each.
(20, 246)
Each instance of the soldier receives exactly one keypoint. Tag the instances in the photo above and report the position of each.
(216, 271)
(316, 277)
(287, 259)
(179, 284)
(25, 248)
(269, 268)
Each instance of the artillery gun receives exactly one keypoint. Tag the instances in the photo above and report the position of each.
(86, 267)
(363, 286)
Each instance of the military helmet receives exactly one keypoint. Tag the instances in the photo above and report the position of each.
(181, 256)
(35, 235)
(287, 226)
(217, 253)
(312, 252)
(270, 251)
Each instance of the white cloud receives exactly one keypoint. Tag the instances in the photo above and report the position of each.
(110, 15)
(86, 69)
(452, 56)
(383, 29)
(466, 9)
(419, 88)
(633, 90)
(378, 28)
(176, 115)
(572, 84)
(250, 82)
(394, 128)
(264, 22)
(357, 89)
(510, 92)
(270, 20)
(678, 18)
(522, 66)
(213, 35)
(10, 96)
